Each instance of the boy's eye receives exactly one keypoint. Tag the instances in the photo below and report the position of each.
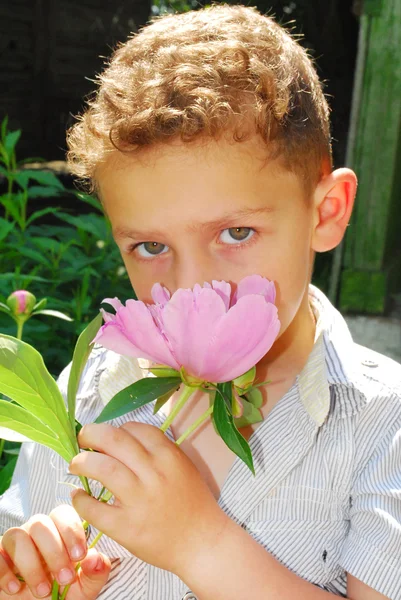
(152, 249)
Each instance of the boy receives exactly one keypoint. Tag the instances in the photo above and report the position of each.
(209, 146)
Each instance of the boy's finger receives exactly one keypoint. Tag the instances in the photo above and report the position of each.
(92, 576)
(101, 515)
(24, 554)
(8, 581)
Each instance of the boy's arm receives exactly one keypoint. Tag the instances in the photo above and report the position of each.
(238, 567)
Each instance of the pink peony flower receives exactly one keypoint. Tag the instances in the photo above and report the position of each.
(212, 334)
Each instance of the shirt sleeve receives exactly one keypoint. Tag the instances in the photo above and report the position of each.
(38, 469)
(372, 551)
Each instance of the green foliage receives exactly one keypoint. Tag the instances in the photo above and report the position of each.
(226, 427)
(138, 394)
(82, 351)
(161, 7)
(73, 262)
(40, 412)
(71, 265)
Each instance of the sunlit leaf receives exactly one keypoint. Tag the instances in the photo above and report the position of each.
(225, 425)
(20, 420)
(25, 379)
(53, 313)
(137, 394)
(82, 350)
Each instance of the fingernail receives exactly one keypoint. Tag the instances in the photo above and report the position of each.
(43, 589)
(13, 587)
(65, 576)
(96, 563)
(77, 552)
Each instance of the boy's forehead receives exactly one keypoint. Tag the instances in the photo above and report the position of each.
(225, 162)
(205, 148)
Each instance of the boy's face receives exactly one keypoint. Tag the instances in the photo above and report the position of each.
(173, 194)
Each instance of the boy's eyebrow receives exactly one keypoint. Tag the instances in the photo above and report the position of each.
(194, 227)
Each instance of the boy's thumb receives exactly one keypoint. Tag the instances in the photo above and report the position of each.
(95, 570)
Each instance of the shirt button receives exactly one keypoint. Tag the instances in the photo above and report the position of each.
(369, 363)
(189, 596)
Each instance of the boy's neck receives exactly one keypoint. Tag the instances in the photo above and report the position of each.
(289, 354)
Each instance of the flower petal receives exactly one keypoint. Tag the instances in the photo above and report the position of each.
(223, 288)
(137, 323)
(114, 302)
(241, 338)
(160, 294)
(255, 284)
(107, 316)
(190, 321)
(111, 337)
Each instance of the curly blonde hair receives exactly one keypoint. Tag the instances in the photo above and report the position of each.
(199, 74)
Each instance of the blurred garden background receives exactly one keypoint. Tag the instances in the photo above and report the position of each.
(54, 239)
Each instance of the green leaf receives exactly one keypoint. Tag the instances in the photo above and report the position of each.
(47, 244)
(53, 313)
(254, 396)
(31, 159)
(226, 426)
(22, 421)
(34, 255)
(6, 474)
(12, 205)
(41, 304)
(250, 415)
(25, 379)
(82, 350)
(44, 178)
(13, 276)
(40, 213)
(39, 191)
(162, 400)
(5, 228)
(10, 435)
(11, 141)
(11, 451)
(5, 308)
(4, 125)
(91, 223)
(137, 394)
(93, 201)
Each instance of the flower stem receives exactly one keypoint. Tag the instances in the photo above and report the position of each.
(20, 326)
(195, 425)
(187, 391)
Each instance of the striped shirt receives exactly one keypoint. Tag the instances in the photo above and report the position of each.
(326, 498)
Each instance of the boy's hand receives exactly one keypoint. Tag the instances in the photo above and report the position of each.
(164, 512)
(47, 548)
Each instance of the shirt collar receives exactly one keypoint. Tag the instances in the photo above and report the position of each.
(332, 363)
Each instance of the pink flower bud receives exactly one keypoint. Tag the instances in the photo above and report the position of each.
(21, 302)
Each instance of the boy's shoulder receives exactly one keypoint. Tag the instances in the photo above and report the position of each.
(379, 370)
(378, 406)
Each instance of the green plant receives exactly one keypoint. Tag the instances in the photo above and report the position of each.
(72, 261)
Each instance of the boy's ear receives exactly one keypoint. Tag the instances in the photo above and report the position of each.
(333, 203)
